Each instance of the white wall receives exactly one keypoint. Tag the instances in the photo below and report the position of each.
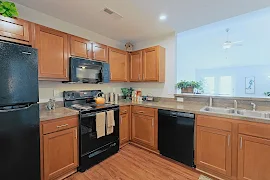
(200, 50)
(161, 89)
(46, 88)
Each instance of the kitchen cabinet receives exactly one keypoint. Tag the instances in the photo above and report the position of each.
(253, 158)
(136, 66)
(144, 127)
(118, 61)
(80, 47)
(53, 53)
(214, 150)
(148, 65)
(100, 52)
(124, 124)
(253, 151)
(153, 67)
(59, 148)
(15, 30)
(213, 145)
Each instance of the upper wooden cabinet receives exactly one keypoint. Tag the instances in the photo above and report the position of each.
(53, 53)
(15, 30)
(118, 61)
(100, 52)
(136, 66)
(154, 64)
(80, 47)
(148, 65)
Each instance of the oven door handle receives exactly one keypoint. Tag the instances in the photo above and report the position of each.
(88, 115)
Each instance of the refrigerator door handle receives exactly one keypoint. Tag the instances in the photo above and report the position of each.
(17, 109)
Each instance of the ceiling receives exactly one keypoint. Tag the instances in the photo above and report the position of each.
(141, 17)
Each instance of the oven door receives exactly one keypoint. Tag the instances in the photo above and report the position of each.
(85, 71)
(88, 134)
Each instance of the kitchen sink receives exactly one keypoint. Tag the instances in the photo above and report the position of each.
(256, 114)
(218, 110)
(232, 111)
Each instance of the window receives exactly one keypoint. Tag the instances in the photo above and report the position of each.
(225, 85)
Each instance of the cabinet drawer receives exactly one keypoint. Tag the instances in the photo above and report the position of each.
(143, 110)
(60, 124)
(214, 122)
(258, 130)
(124, 109)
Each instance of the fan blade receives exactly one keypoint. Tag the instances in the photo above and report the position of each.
(237, 42)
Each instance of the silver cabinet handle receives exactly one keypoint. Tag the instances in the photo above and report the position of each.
(75, 133)
(152, 122)
(121, 120)
(27, 53)
(111, 75)
(139, 76)
(64, 125)
(143, 76)
(141, 112)
(229, 139)
(241, 142)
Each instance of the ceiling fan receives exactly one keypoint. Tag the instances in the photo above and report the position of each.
(229, 44)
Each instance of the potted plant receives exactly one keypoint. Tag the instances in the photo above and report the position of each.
(8, 9)
(189, 86)
(127, 93)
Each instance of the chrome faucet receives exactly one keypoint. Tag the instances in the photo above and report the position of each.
(211, 102)
(235, 104)
(253, 106)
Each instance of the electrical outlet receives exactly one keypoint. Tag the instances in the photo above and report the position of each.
(56, 93)
(180, 99)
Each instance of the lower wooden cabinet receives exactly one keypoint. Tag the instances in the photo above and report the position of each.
(214, 150)
(253, 158)
(60, 153)
(59, 148)
(124, 124)
(144, 127)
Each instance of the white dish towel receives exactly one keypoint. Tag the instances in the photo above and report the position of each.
(110, 122)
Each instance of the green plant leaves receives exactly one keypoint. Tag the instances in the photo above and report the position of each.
(8, 9)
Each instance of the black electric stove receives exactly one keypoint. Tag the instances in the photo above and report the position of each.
(92, 150)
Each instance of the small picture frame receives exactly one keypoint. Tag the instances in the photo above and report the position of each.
(250, 85)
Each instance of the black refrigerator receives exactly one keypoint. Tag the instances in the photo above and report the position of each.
(19, 113)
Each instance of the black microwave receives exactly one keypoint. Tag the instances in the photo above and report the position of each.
(88, 71)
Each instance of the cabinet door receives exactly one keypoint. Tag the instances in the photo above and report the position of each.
(150, 64)
(253, 158)
(136, 66)
(60, 153)
(143, 129)
(118, 61)
(213, 150)
(100, 52)
(14, 30)
(52, 48)
(80, 47)
(124, 128)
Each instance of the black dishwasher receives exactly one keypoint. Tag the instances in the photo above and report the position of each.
(176, 136)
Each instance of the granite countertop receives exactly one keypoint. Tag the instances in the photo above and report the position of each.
(191, 108)
(166, 105)
(57, 113)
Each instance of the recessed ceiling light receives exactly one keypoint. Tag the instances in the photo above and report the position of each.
(162, 17)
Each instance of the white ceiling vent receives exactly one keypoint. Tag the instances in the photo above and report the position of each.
(111, 13)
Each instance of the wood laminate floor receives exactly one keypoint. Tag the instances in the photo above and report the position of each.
(133, 163)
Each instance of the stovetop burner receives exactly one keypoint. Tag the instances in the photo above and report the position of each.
(81, 107)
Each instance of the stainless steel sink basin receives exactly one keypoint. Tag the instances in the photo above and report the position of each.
(256, 114)
(232, 111)
(218, 110)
